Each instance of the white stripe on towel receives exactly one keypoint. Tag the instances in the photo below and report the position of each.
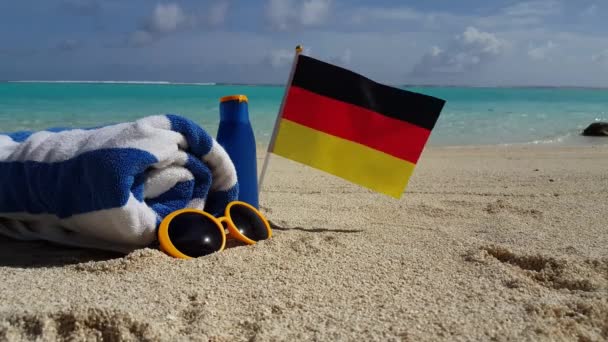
(152, 134)
(224, 173)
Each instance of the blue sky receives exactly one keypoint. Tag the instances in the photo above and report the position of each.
(465, 42)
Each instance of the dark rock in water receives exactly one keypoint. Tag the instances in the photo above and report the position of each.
(597, 129)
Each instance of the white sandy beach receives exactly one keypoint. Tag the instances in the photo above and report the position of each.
(487, 243)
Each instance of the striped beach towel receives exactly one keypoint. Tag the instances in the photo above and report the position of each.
(109, 187)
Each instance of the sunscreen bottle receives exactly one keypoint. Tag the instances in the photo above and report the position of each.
(235, 134)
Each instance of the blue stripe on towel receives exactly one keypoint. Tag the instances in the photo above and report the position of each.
(199, 142)
(174, 199)
(202, 176)
(72, 187)
(138, 186)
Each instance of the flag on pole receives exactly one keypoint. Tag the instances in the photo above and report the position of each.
(352, 127)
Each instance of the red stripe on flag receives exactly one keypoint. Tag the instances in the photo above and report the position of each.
(380, 132)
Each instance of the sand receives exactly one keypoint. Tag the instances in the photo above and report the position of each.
(488, 243)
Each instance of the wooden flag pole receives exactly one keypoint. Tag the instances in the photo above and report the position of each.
(276, 123)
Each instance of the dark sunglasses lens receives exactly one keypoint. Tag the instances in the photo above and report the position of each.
(194, 235)
(248, 222)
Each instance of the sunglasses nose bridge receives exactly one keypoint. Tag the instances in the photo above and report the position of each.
(224, 221)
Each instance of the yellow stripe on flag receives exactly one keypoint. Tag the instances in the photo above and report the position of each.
(354, 162)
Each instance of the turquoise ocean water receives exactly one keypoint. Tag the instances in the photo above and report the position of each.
(472, 116)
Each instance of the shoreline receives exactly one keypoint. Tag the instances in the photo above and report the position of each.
(601, 143)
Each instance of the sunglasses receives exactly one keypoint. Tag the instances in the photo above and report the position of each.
(192, 233)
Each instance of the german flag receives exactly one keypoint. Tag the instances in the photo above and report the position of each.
(350, 126)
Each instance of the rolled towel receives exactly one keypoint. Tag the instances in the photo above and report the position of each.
(109, 187)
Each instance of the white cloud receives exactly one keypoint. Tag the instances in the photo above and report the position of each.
(141, 38)
(590, 11)
(69, 45)
(218, 12)
(343, 59)
(539, 8)
(314, 12)
(284, 14)
(502, 22)
(541, 52)
(378, 13)
(279, 12)
(468, 51)
(346, 57)
(281, 57)
(166, 18)
(405, 15)
(82, 7)
(435, 51)
(169, 18)
(484, 42)
(601, 57)
(523, 14)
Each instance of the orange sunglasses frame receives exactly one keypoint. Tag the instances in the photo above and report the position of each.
(167, 246)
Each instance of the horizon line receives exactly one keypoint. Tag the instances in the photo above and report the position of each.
(430, 85)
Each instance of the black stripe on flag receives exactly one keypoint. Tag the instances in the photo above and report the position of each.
(344, 85)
